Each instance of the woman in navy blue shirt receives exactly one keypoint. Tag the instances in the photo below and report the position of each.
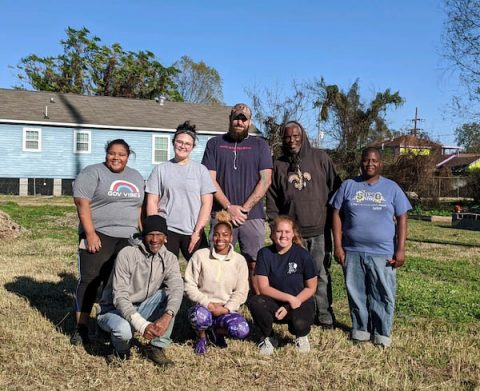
(287, 281)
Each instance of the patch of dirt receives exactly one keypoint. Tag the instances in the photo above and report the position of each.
(9, 229)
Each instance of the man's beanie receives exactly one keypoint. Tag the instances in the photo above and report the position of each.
(154, 223)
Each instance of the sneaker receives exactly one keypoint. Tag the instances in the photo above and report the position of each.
(327, 326)
(201, 346)
(80, 336)
(302, 344)
(267, 346)
(157, 355)
(324, 325)
(116, 358)
(217, 340)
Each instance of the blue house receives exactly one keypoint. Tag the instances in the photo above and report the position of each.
(46, 138)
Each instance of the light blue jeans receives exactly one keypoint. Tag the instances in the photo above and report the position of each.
(121, 331)
(323, 295)
(371, 286)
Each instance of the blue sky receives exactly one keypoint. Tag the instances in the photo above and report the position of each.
(383, 43)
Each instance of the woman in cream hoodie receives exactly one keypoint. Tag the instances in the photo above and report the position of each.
(216, 280)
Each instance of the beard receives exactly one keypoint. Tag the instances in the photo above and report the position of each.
(236, 136)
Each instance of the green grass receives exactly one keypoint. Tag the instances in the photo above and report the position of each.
(42, 220)
(436, 338)
(448, 291)
(428, 232)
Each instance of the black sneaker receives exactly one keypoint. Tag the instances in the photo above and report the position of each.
(157, 355)
(215, 339)
(324, 325)
(327, 326)
(80, 336)
(116, 358)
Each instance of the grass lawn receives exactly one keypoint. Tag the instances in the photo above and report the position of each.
(436, 330)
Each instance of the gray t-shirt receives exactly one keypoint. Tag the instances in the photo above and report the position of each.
(115, 198)
(180, 187)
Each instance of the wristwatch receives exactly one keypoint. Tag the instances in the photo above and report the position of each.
(170, 312)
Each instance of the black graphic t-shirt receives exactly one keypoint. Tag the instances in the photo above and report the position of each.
(286, 272)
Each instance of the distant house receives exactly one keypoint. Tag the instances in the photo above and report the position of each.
(47, 138)
(460, 164)
(409, 143)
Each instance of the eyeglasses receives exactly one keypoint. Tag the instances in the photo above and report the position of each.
(183, 144)
(241, 117)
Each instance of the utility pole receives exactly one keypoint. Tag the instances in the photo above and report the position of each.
(415, 121)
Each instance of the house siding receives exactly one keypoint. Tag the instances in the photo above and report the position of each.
(58, 160)
(474, 166)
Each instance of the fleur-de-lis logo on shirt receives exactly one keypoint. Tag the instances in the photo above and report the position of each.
(299, 179)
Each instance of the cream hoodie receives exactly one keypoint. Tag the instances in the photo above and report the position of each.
(209, 279)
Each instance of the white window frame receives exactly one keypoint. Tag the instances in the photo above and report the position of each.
(77, 132)
(24, 141)
(154, 136)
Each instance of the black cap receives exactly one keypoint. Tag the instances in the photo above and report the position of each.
(154, 223)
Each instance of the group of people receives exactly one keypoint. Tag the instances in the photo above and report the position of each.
(289, 281)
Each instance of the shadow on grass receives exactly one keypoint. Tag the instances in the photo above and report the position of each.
(182, 330)
(53, 300)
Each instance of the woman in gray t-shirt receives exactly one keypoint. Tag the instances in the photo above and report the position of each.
(181, 191)
(109, 198)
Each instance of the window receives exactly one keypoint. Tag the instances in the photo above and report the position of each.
(82, 141)
(32, 139)
(160, 148)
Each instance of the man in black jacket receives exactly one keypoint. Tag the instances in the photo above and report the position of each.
(303, 180)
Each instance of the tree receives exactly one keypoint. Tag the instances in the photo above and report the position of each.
(468, 136)
(197, 82)
(462, 42)
(414, 174)
(272, 109)
(89, 68)
(353, 124)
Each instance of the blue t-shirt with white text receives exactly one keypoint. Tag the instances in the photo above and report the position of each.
(367, 212)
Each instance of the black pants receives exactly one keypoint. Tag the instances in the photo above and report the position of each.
(95, 269)
(178, 242)
(263, 310)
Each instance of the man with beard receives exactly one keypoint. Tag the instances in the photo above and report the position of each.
(303, 180)
(241, 168)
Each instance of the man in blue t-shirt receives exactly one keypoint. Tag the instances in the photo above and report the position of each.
(241, 169)
(369, 230)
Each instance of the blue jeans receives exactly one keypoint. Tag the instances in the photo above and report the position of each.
(371, 285)
(323, 295)
(121, 331)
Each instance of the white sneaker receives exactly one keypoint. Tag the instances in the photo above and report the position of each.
(267, 346)
(302, 344)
